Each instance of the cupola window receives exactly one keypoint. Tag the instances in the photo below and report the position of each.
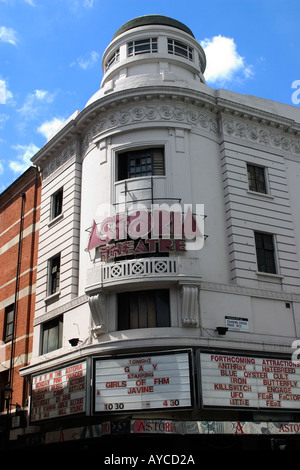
(142, 46)
(112, 59)
(180, 49)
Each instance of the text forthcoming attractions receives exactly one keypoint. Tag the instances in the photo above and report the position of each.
(250, 382)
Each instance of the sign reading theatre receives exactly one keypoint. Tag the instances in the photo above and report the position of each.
(156, 381)
(251, 382)
(162, 230)
(59, 392)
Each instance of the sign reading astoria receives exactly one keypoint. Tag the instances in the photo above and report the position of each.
(251, 382)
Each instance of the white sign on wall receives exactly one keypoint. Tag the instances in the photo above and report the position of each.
(237, 323)
(154, 381)
(59, 392)
(250, 382)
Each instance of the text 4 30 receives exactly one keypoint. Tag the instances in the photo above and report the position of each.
(171, 402)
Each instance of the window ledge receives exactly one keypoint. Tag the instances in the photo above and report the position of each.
(271, 275)
(256, 193)
(52, 297)
(55, 220)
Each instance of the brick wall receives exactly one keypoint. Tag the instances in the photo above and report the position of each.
(10, 213)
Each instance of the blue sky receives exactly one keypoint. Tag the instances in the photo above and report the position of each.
(51, 50)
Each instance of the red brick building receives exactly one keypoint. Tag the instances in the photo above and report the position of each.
(19, 224)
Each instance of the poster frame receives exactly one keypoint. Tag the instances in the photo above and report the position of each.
(86, 399)
(133, 355)
(247, 354)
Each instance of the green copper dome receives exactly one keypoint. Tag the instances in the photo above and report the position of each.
(151, 20)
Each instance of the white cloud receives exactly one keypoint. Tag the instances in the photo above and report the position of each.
(87, 61)
(88, 3)
(49, 128)
(33, 102)
(224, 63)
(8, 35)
(5, 94)
(22, 162)
(1, 169)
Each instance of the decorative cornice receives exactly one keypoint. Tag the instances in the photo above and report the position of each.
(62, 157)
(154, 112)
(261, 135)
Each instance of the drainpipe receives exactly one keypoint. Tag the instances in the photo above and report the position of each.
(16, 294)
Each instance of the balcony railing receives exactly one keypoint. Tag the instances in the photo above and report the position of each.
(142, 270)
(139, 268)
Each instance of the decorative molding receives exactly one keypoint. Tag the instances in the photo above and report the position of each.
(97, 305)
(250, 291)
(190, 302)
(65, 155)
(261, 135)
(59, 310)
(147, 113)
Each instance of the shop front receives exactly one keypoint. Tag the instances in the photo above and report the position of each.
(180, 402)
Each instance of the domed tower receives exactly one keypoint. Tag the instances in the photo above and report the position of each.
(152, 50)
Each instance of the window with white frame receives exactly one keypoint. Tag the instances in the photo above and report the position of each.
(257, 178)
(54, 275)
(265, 252)
(52, 335)
(112, 59)
(142, 162)
(9, 322)
(181, 49)
(141, 46)
(56, 203)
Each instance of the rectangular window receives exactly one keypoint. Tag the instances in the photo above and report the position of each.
(4, 377)
(179, 48)
(9, 322)
(56, 203)
(144, 162)
(54, 274)
(265, 252)
(142, 46)
(52, 335)
(256, 178)
(143, 309)
(112, 59)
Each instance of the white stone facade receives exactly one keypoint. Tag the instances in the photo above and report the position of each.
(157, 99)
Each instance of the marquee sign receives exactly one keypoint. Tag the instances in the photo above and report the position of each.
(59, 392)
(250, 382)
(174, 427)
(146, 382)
(158, 231)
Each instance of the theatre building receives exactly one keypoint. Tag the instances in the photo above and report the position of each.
(168, 284)
(19, 219)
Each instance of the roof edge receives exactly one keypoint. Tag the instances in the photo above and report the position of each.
(152, 20)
